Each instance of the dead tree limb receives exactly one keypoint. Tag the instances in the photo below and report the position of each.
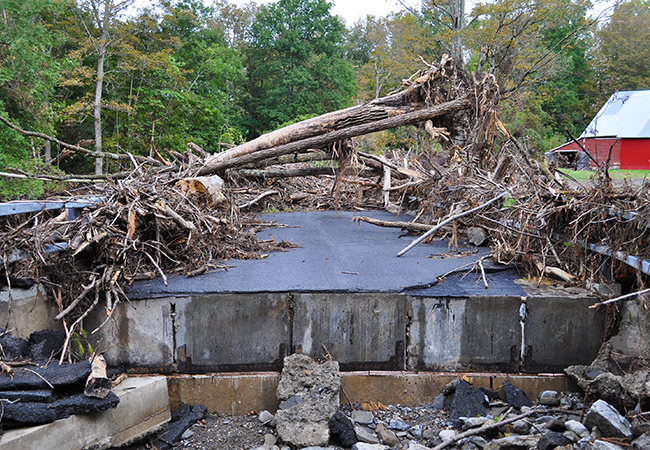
(287, 173)
(445, 222)
(214, 164)
(76, 148)
(410, 226)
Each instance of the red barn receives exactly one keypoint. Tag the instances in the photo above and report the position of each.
(620, 132)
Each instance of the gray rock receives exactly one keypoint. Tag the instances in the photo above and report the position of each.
(520, 427)
(445, 435)
(305, 424)
(269, 441)
(437, 403)
(549, 398)
(551, 440)
(609, 421)
(363, 417)
(386, 436)
(556, 425)
(415, 446)
(468, 402)
(642, 442)
(416, 431)
(266, 418)
(365, 446)
(187, 434)
(313, 448)
(571, 436)
(475, 235)
(341, 426)
(398, 425)
(474, 422)
(577, 428)
(365, 435)
(515, 397)
(291, 402)
(513, 442)
(604, 445)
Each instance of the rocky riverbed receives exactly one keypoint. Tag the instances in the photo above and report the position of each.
(461, 416)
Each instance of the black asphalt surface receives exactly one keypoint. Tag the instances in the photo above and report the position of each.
(338, 255)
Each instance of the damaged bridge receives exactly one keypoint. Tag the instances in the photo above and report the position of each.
(345, 290)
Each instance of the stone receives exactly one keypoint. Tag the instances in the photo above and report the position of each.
(416, 431)
(269, 441)
(468, 402)
(551, 440)
(515, 397)
(604, 445)
(187, 434)
(642, 442)
(415, 446)
(577, 427)
(445, 435)
(363, 417)
(266, 418)
(291, 402)
(398, 425)
(608, 420)
(549, 398)
(386, 436)
(513, 442)
(305, 423)
(475, 235)
(437, 403)
(363, 434)
(556, 425)
(474, 422)
(571, 436)
(342, 427)
(365, 446)
(520, 427)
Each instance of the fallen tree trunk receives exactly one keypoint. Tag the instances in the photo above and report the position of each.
(214, 164)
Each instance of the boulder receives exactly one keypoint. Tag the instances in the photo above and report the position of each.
(608, 420)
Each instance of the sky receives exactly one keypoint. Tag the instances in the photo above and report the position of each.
(352, 10)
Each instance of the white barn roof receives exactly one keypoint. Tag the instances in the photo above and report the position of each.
(625, 115)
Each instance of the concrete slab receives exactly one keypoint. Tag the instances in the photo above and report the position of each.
(237, 394)
(143, 408)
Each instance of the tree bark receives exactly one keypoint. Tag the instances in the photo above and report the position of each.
(378, 109)
(347, 125)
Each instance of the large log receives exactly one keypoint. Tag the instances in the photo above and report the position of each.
(378, 109)
(214, 164)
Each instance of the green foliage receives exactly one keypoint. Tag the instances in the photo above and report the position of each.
(79, 342)
(296, 64)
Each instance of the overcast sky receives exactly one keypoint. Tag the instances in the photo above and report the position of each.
(351, 10)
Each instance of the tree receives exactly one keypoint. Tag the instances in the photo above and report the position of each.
(103, 14)
(29, 73)
(621, 56)
(296, 64)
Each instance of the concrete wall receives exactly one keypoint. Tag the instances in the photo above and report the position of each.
(253, 332)
(25, 311)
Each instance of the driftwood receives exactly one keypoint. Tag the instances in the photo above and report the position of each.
(409, 226)
(97, 384)
(445, 222)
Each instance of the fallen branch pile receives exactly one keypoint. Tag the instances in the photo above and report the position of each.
(164, 216)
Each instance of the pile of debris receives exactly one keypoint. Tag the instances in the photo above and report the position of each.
(34, 389)
(187, 213)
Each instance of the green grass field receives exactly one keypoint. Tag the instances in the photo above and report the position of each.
(634, 176)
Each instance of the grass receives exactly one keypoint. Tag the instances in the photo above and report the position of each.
(632, 175)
